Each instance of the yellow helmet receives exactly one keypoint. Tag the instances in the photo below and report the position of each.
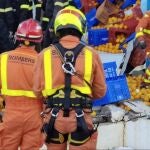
(70, 17)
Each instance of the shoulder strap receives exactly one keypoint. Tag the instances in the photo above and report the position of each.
(67, 88)
(75, 50)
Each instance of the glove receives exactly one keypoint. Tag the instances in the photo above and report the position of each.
(142, 44)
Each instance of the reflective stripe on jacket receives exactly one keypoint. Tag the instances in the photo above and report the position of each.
(49, 90)
(19, 84)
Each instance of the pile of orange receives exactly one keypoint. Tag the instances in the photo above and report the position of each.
(136, 92)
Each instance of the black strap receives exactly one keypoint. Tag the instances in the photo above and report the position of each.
(81, 123)
(67, 88)
(49, 127)
(83, 102)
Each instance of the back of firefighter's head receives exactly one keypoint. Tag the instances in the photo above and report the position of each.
(29, 32)
(70, 21)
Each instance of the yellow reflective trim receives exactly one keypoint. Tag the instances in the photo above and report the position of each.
(148, 72)
(146, 31)
(138, 34)
(88, 65)
(45, 19)
(48, 69)
(17, 93)
(77, 142)
(46, 92)
(24, 6)
(4, 70)
(8, 9)
(2, 10)
(38, 5)
(61, 4)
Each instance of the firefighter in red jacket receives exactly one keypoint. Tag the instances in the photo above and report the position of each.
(70, 75)
(21, 122)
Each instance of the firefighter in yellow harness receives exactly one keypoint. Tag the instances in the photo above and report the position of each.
(69, 75)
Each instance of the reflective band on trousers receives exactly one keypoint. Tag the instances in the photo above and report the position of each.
(49, 90)
(5, 90)
(2, 10)
(62, 4)
(28, 7)
(6, 10)
(45, 19)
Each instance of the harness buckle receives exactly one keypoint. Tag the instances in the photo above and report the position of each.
(68, 68)
(80, 114)
(69, 56)
(54, 113)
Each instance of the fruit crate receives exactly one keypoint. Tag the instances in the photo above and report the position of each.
(117, 87)
(98, 36)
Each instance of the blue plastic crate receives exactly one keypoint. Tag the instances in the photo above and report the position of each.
(117, 90)
(78, 3)
(127, 3)
(91, 18)
(98, 36)
(110, 69)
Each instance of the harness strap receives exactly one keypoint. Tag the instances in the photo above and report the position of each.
(82, 102)
(49, 127)
(67, 88)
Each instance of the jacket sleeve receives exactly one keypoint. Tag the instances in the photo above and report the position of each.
(48, 13)
(24, 8)
(98, 85)
(5, 42)
(2, 9)
(38, 6)
(38, 79)
(58, 5)
(9, 15)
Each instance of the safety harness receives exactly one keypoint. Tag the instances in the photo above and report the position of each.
(68, 58)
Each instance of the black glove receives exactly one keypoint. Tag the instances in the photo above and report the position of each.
(142, 44)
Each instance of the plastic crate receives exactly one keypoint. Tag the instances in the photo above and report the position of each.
(127, 3)
(110, 69)
(117, 90)
(91, 18)
(78, 3)
(97, 36)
